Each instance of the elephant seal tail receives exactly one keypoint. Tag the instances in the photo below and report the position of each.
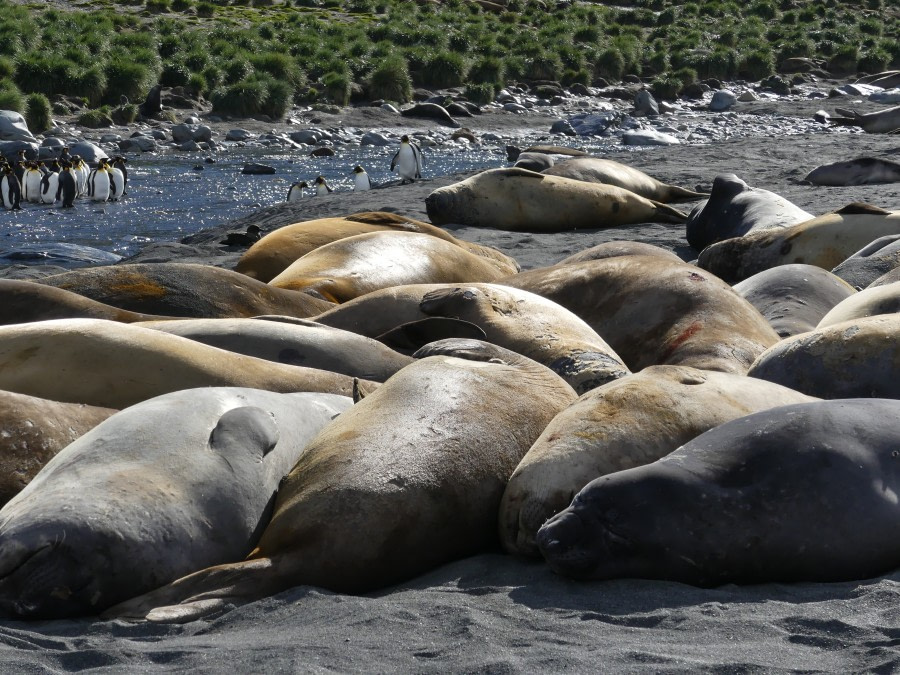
(675, 192)
(668, 214)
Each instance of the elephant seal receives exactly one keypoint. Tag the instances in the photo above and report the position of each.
(533, 326)
(824, 242)
(887, 278)
(23, 301)
(868, 302)
(432, 111)
(794, 298)
(873, 260)
(184, 290)
(611, 249)
(33, 430)
(630, 422)
(298, 343)
(608, 172)
(354, 266)
(735, 209)
(854, 358)
(524, 201)
(860, 171)
(272, 254)
(115, 365)
(789, 494)
(418, 466)
(653, 311)
(534, 161)
(881, 122)
(160, 490)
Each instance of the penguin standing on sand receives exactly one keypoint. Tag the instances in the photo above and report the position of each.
(99, 182)
(10, 190)
(67, 187)
(408, 160)
(361, 179)
(295, 192)
(322, 186)
(50, 183)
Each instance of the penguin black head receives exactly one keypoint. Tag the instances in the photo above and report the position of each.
(358, 169)
(404, 138)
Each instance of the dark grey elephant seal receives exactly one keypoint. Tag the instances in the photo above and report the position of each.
(794, 298)
(850, 359)
(598, 170)
(157, 491)
(861, 171)
(803, 492)
(734, 209)
(870, 262)
(432, 111)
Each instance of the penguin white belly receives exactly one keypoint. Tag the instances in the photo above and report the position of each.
(31, 189)
(98, 186)
(408, 163)
(294, 193)
(49, 186)
(82, 173)
(361, 181)
(117, 186)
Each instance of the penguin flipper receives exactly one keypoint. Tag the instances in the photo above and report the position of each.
(394, 160)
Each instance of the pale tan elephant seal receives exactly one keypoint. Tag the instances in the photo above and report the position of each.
(868, 302)
(824, 241)
(630, 422)
(524, 201)
(272, 254)
(354, 266)
(612, 249)
(609, 172)
(408, 479)
(111, 364)
(33, 430)
(654, 311)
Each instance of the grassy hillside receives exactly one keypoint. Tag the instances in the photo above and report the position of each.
(259, 56)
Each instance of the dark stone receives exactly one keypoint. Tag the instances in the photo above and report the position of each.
(257, 169)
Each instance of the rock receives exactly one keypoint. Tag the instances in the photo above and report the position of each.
(579, 89)
(562, 127)
(695, 90)
(514, 108)
(110, 138)
(190, 146)
(889, 96)
(821, 116)
(14, 128)
(89, 152)
(181, 133)
(138, 144)
(322, 152)
(649, 137)
(722, 100)
(747, 96)
(777, 84)
(375, 139)
(238, 135)
(254, 169)
(202, 134)
(645, 105)
(306, 136)
(595, 124)
(858, 89)
(799, 64)
(10, 149)
(191, 119)
(389, 108)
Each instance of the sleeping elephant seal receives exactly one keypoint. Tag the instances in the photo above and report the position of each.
(881, 122)
(824, 242)
(654, 311)
(630, 422)
(524, 201)
(868, 302)
(857, 358)
(115, 365)
(794, 298)
(408, 479)
(296, 342)
(33, 430)
(354, 266)
(734, 209)
(272, 254)
(798, 493)
(157, 491)
(608, 172)
(184, 290)
(612, 249)
(873, 260)
(860, 171)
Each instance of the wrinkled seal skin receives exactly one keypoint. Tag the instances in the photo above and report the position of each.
(860, 171)
(354, 266)
(157, 491)
(114, 365)
(868, 302)
(794, 298)
(796, 493)
(734, 209)
(33, 430)
(184, 290)
(415, 471)
(524, 201)
(608, 172)
(824, 242)
(633, 421)
(857, 358)
(272, 254)
(654, 311)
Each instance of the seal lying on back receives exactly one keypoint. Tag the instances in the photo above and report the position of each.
(524, 201)
(861, 171)
(734, 209)
(797, 493)
(157, 491)
(608, 172)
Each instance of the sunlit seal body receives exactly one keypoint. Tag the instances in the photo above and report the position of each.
(873, 260)
(794, 298)
(653, 311)
(408, 479)
(795, 493)
(630, 422)
(735, 209)
(524, 201)
(157, 491)
(860, 171)
(33, 430)
(612, 249)
(609, 172)
(184, 289)
(868, 302)
(354, 266)
(111, 364)
(880, 122)
(856, 358)
(824, 242)
(278, 249)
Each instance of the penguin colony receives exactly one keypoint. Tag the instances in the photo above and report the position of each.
(60, 180)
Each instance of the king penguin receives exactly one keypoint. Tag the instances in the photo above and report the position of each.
(295, 192)
(50, 183)
(67, 188)
(10, 190)
(321, 184)
(361, 179)
(119, 175)
(99, 182)
(31, 182)
(408, 160)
